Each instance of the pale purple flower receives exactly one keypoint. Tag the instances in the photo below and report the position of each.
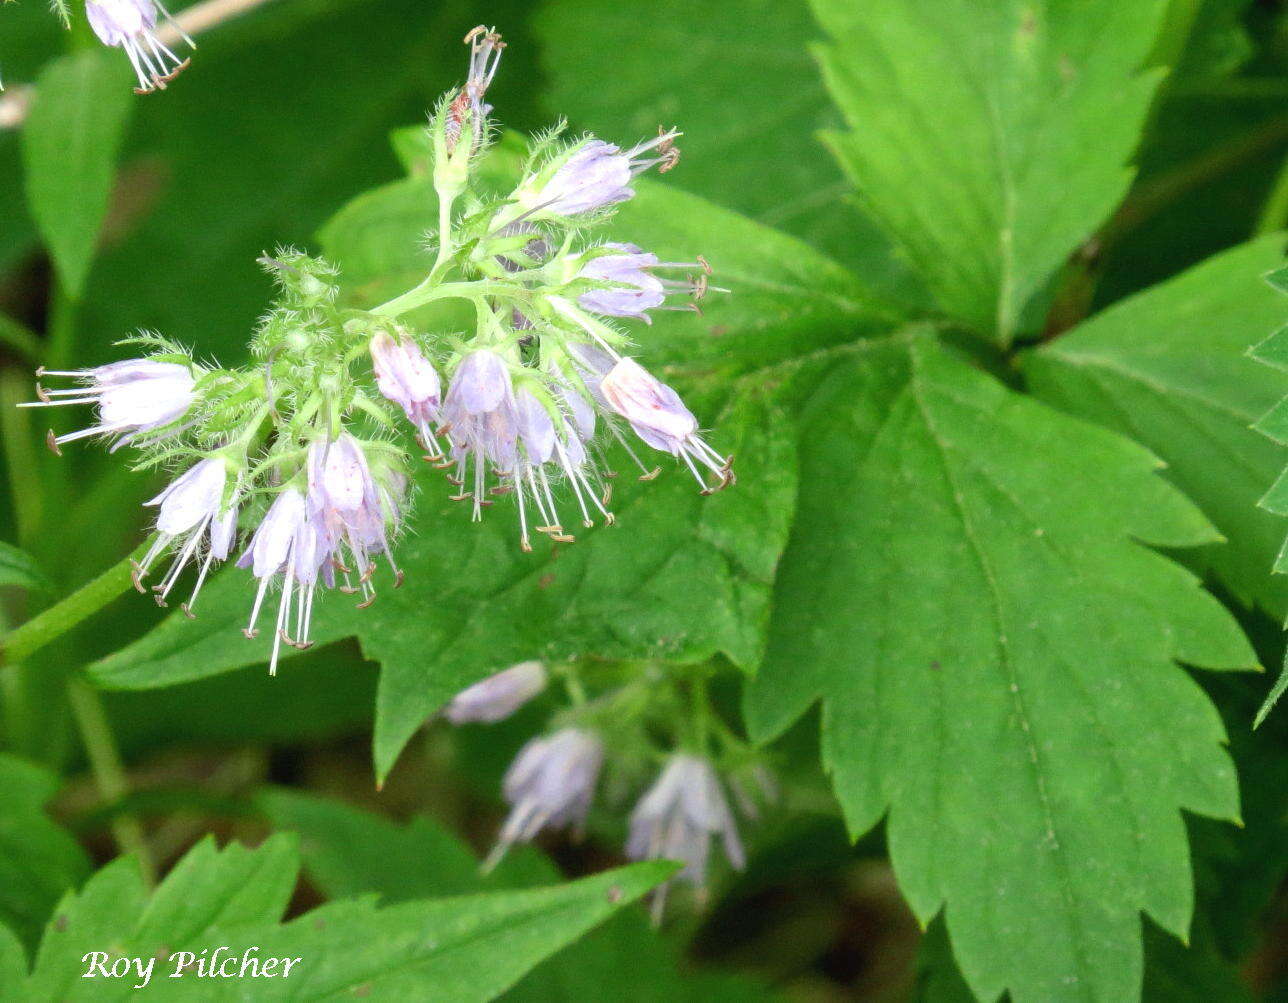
(634, 289)
(550, 784)
(350, 510)
(481, 422)
(547, 436)
(134, 397)
(633, 285)
(659, 417)
(287, 542)
(131, 25)
(595, 175)
(498, 696)
(191, 509)
(407, 378)
(678, 816)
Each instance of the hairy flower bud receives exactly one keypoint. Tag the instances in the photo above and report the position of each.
(405, 376)
(498, 696)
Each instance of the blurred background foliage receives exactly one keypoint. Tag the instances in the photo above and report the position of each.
(283, 118)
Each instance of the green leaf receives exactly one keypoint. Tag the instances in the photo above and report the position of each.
(969, 590)
(349, 852)
(1169, 368)
(39, 860)
(1273, 351)
(18, 568)
(13, 964)
(69, 145)
(680, 576)
(990, 138)
(457, 948)
(750, 101)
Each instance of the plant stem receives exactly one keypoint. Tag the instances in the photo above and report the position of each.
(24, 466)
(109, 771)
(427, 292)
(56, 621)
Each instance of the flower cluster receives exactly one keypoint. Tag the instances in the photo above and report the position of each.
(553, 781)
(299, 458)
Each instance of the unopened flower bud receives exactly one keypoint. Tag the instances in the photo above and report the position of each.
(498, 696)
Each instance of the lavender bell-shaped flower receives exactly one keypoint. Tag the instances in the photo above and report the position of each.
(288, 542)
(133, 397)
(550, 783)
(594, 175)
(191, 507)
(677, 818)
(659, 417)
(498, 696)
(131, 25)
(632, 285)
(481, 423)
(635, 290)
(405, 376)
(350, 510)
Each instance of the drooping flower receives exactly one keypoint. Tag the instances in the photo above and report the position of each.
(133, 397)
(593, 175)
(659, 417)
(551, 783)
(350, 511)
(407, 378)
(481, 423)
(191, 508)
(286, 542)
(498, 696)
(131, 25)
(677, 818)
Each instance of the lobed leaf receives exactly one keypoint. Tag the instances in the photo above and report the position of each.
(969, 591)
(1169, 368)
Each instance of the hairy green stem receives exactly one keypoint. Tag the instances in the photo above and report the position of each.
(427, 292)
(109, 771)
(56, 621)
